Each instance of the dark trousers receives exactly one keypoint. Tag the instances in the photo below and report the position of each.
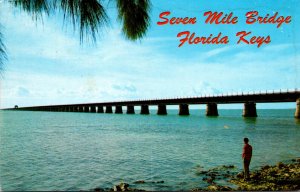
(246, 168)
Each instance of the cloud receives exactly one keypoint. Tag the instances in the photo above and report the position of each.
(128, 88)
(23, 92)
(218, 51)
(203, 88)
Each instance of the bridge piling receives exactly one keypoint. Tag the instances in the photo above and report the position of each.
(162, 110)
(100, 109)
(212, 109)
(145, 110)
(119, 109)
(93, 109)
(80, 109)
(249, 109)
(297, 112)
(74, 109)
(86, 109)
(108, 109)
(184, 109)
(130, 109)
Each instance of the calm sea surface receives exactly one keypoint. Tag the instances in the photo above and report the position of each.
(83, 151)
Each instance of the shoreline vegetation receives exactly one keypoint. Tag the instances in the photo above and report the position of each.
(279, 177)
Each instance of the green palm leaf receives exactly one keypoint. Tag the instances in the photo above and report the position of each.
(88, 14)
(35, 7)
(2, 52)
(134, 16)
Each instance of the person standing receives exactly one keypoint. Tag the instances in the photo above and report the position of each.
(247, 155)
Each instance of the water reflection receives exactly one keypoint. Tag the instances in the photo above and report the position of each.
(250, 122)
(297, 121)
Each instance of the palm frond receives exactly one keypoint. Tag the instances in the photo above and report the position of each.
(70, 9)
(89, 14)
(2, 53)
(134, 17)
(34, 7)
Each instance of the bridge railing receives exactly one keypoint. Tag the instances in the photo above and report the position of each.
(243, 93)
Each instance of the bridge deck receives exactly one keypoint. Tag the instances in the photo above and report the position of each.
(267, 97)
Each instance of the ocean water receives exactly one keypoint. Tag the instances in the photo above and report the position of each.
(83, 151)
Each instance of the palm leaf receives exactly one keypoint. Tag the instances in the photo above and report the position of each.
(2, 53)
(35, 7)
(134, 17)
(88, 14)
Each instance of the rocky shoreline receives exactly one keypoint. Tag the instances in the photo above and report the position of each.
(280, 177)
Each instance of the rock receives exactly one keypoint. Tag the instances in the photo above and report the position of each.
(212, 188)
(98, 189)
(212, 174)
(282, 177)
(224, 188)
(280, 165)
(240, 175)
(132, 189)
(117, 188)
(157, 182)
(266, 167)
(226, 175)
(228, 166)
(208, 180)
(121, 187)
(139, 182)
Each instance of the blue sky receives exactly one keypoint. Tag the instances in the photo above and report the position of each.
(47, 65)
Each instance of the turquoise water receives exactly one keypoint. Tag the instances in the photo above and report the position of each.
(83, 151)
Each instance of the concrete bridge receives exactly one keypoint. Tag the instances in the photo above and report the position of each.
(211, 101)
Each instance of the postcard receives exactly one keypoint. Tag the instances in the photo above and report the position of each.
(148, 95)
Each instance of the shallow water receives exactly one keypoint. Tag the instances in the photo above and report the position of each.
(83, 151)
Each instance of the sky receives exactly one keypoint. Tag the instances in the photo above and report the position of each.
(47, 65)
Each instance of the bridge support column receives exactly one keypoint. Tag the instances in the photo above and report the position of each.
(212, 109)
(93, 109)
(249, 110)
(145, 110)
(297, 112)
(108, 109)
(130, 109)
(75, 109)
(86, 109)
(100, 109)
(119, 110)
(162, 110)
(80, 108)
(184, 109)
